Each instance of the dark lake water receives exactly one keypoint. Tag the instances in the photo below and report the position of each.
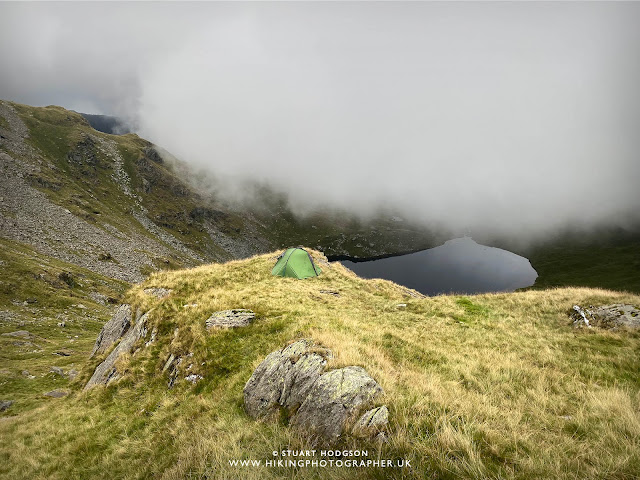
(459, 266)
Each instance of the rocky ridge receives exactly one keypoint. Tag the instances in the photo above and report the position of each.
(28, 216)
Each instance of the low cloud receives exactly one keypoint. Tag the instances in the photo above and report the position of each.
(514, 118)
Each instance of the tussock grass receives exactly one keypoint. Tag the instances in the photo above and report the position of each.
(486, 386)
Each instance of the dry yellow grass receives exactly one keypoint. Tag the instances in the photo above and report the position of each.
(486, 386)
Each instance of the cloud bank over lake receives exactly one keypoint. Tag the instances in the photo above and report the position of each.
(517, 118)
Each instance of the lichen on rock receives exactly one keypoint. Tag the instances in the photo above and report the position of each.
(283, 379)
(334, 399)
(321, 404)
(372, 422)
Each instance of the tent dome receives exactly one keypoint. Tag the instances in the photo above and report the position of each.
(295, 263)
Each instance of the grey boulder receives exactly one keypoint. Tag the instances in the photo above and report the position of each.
(320, 404)
(616, 315)
(335, 399)
(113, 329)
(611, 317)
(57, 371)
(283, 379)
(106, 371)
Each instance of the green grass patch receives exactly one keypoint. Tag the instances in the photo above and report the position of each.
(37, 295)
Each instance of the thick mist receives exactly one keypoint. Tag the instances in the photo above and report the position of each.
(510, 118)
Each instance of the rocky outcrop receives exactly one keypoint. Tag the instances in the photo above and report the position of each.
(106, 371)
(320, 404)
(580, 316)
(283, 379)
(153, 155)
(334, 399)
(29, 212)
(5, 404)
(113, 329)
(172, 365)
(611, 317)
(84, 152)
(238, 317)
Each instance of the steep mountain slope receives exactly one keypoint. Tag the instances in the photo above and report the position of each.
(105, 202)
(489, 386)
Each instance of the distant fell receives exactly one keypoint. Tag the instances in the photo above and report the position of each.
(108, 124)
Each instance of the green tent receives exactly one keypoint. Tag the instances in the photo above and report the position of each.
(295, 263)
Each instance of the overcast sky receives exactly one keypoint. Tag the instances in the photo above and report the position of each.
(508, 115)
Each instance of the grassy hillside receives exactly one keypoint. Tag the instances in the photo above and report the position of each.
(487, 386)
(604, 259)
(62, 306)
